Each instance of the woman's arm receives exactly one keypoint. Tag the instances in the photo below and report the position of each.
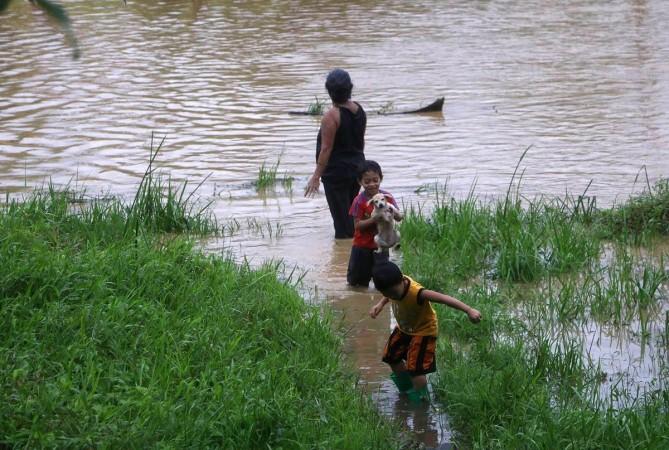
(329, 126)
(437, 297)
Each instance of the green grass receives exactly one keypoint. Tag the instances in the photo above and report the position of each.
(386, 108)
(457, 229)
(161, 205)
(639, 217)
(264, 228)
(268, 177)
(541, 271)
(116, 335)
(512, 241)
(287, 182)
(317, 107)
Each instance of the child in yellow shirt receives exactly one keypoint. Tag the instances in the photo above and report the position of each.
(410, 350)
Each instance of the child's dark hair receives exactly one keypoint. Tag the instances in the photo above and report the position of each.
(369, 166)
(386, 275)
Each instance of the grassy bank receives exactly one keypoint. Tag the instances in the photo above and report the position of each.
(549, 275)
(117, 335)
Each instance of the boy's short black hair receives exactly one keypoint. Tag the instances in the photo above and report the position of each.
(386, 275)
(369, 166)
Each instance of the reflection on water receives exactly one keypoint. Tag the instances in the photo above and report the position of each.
(585, 82)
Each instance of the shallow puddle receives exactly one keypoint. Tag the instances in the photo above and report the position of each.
(629, 354)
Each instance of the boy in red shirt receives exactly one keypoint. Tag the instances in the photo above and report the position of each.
(363, 252)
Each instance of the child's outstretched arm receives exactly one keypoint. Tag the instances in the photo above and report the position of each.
(437, 297)
(376, 309)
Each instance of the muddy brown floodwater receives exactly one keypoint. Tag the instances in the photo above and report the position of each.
(586, 83)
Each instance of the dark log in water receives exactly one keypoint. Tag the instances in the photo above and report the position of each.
(435, 106)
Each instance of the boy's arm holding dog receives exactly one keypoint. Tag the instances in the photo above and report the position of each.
(437, 297)
(364, 224)
(397, 215)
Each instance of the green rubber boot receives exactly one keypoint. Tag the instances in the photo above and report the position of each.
(417, 396)
(402, 381)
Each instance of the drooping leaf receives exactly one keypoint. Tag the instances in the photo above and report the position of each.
(4, 4)
(58, 13)
(54, 10)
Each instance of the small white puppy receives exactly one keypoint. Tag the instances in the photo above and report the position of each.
(385, 213)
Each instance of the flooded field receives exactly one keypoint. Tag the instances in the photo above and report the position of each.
(585, 84)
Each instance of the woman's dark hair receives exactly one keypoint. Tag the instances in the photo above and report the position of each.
(386, 275)
(339, 85)
(369, 166)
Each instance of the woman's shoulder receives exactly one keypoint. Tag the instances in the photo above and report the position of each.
(331, 116)
(352, 107)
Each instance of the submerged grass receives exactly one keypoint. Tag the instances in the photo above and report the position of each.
(268, 176)
(264, 227)
(641, 216)
(523, 378)
(113, 334)
(163, 206)
(317, 107)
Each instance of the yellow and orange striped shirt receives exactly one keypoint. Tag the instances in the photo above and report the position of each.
(415, 316)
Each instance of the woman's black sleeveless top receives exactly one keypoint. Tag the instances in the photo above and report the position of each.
(348, 150)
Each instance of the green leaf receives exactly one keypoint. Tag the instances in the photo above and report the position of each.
(4, 4)
(57, 12)
(54, 10)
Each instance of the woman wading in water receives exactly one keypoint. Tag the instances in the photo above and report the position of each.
(340, 152)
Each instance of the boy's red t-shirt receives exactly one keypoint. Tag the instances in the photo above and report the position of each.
(361, 209)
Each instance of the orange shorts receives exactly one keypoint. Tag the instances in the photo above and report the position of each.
(417, 351)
